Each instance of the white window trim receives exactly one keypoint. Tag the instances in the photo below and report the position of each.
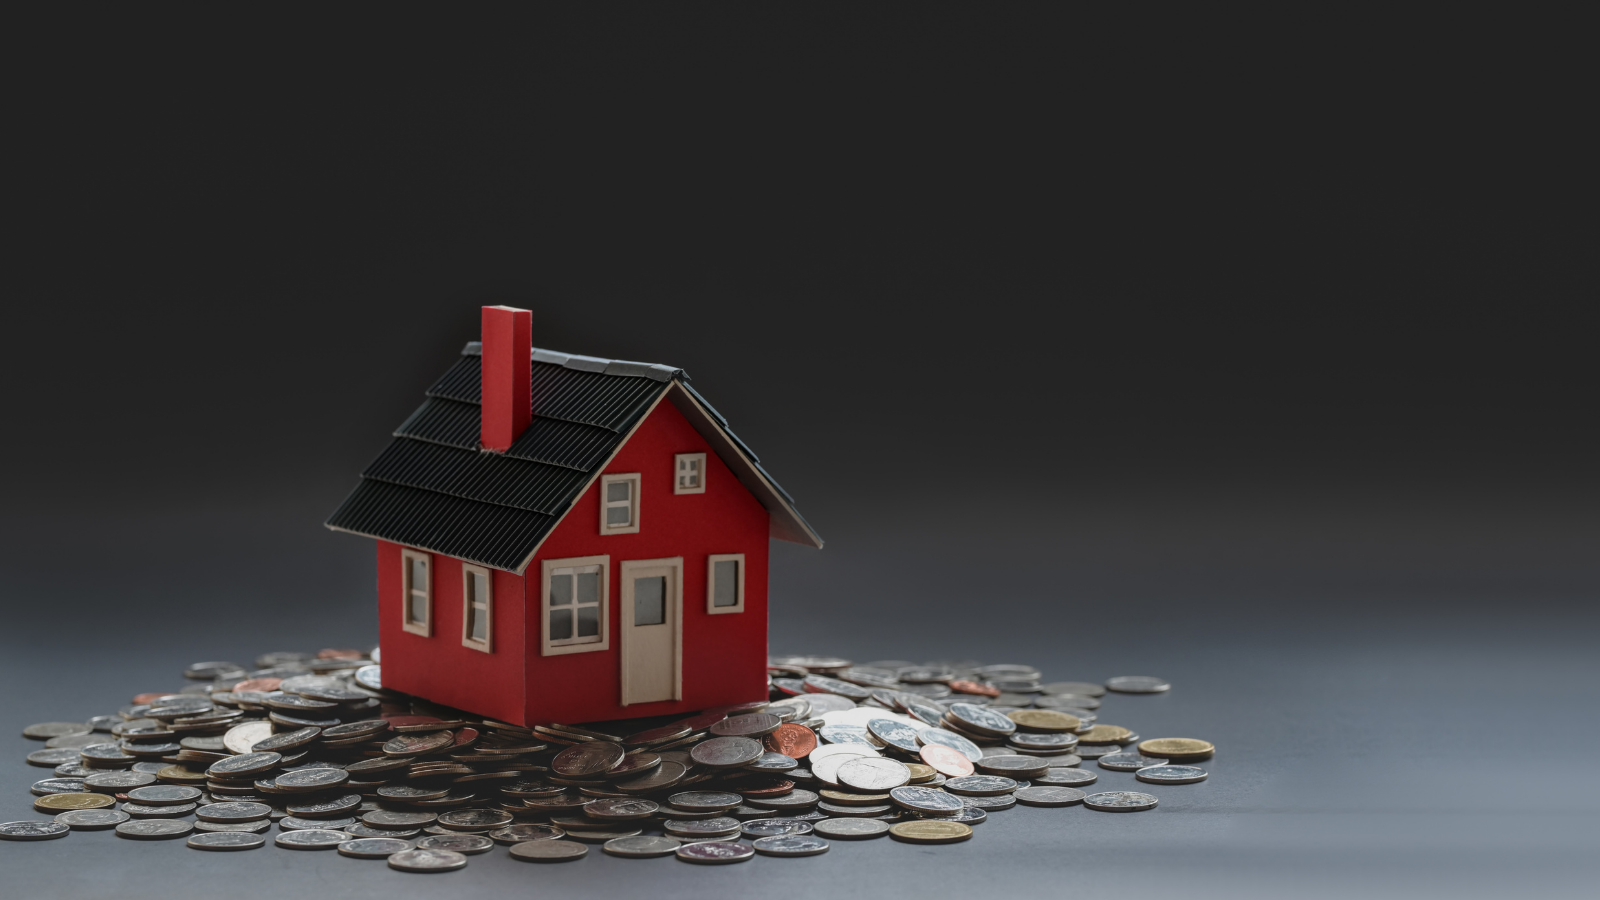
(487, 644)
(711, 583)
(424, 628)
(633, 503)
(677, 467)
(630, 566)
(545, 567)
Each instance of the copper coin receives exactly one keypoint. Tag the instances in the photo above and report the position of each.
(973, 687)
(258, 684)
(775, 787)
(946, 761)
(791, 740)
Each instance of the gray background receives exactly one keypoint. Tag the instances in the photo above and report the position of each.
(1260, 365)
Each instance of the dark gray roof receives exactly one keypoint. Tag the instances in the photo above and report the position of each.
(434, 489)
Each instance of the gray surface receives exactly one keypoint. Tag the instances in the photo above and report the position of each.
(1365, 746)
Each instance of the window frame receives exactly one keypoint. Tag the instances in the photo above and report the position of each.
(425, 627)
(487, 644)
(711, 583)
(677, 462)
(546, 568)
(606, 481)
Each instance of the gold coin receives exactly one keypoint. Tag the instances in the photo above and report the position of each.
(1177, 748)
(1048, 721)
(1105, 734)
(920, 772)
(181, 775)
(850, 798)
(63, 802)
(929, 831)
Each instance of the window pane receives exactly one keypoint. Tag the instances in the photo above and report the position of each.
(588, 621)
(694, 465)
(479, 619)
(419, 574)
(617, 491)
(588, 587)
(561, 589)
(650, 601)
(725, 589)
(560, 624)
(417, 609)
(617, 515)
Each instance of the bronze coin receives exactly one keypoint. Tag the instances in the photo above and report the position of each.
(791, 740)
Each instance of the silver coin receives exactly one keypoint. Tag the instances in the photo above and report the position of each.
(169, 811)
(981, 785)
(548, 851)
(835, 809)
(774, 762)
(844, 734)
(726, 752)
(33, 831)
(798, 798)
(460, 843)
(1070, 761)
(244, 764)
(297, 823)
(389, 818)
(49, 759)
(757, 828)
(1045, 795)
(1013, 766)
(705, 800)
(1137, 684)
(1082, 688)
(642, 846)
(1120, 801)
(240, 738)
(474, 819)
(517, 834)
(419, 860)
(43, 731)
(226, 840)
(58, 786)
(1129, 761)
(1043, 741)
(927, 801)
(623, 808)
(952, 740)
(601, 833)
(260, 826)
(118, 782)
(311, 839)
(827, 703)
(1095, 751)
(851, 829)
(980, 719)
(1158, 774)
(363, 830)
(328, 808)
(968, 815)
(92, 819)
(1066, 777)
(154, 829)
(233, 812)
(373, 848)
(991, 803)
(790, 845)
(311, 779)
(873, 774)
(164, 795)
(74, 770)
(895, 734)
(75, 741)
(696, 827)
(715, 852)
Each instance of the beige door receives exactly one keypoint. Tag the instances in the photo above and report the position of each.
(652, 630)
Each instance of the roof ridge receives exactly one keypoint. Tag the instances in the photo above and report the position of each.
(619, 367)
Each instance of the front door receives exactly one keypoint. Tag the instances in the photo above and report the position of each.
(652, 630)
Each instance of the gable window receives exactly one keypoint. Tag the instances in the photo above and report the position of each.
(619, 504)
(690, 473)
(477, 605)
(725, 583)
(416, 595)
(574, 610)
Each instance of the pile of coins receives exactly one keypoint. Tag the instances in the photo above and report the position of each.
(315, 743)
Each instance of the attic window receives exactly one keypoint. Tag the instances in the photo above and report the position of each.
(416, 594)
(689, 473)
(619, 504)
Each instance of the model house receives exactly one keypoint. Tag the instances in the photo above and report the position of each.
(569, 539)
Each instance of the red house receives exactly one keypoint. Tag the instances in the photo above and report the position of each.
(569, 539)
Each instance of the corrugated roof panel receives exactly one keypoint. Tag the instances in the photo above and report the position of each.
(498, 536)
(442, 421)
(463, 382)
(590, 397)
(485, 477)
(565, 443)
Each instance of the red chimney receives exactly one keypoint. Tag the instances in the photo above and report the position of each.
(507, 376)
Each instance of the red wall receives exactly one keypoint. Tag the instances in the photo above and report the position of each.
(724, 656)
(439, 667)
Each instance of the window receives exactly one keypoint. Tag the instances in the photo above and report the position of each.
(477, 620)
(416, 613)
(575, 605)
(690, 473)
(619, 504)
(725, 583)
